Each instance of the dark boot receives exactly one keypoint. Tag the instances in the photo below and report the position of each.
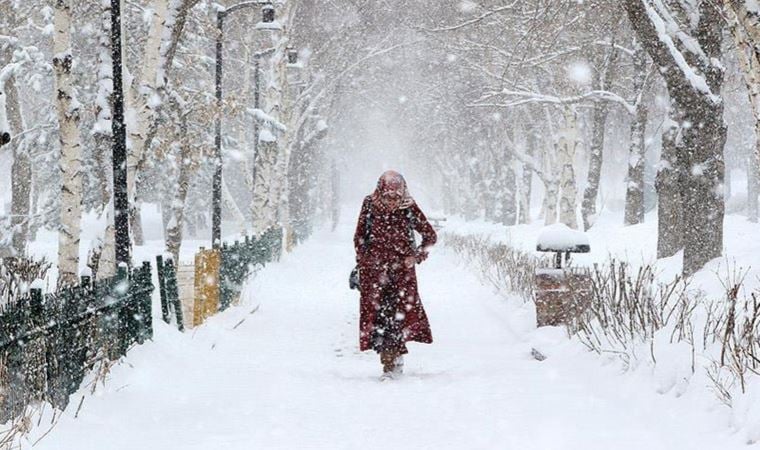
(388, 359)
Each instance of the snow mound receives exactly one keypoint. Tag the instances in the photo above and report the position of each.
(561, 238)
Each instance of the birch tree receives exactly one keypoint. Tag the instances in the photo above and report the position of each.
(744, 26)
(68, 118)
(634, 193)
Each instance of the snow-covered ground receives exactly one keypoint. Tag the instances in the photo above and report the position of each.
(282, 371)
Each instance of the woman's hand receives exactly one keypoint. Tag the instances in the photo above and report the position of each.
(421, 254)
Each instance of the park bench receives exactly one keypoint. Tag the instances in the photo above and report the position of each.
(436, 221)
(561, 292)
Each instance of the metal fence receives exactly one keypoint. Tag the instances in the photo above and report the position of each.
(48, 343)
(239, 259)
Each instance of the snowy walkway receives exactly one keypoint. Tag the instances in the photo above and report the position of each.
(290, 377)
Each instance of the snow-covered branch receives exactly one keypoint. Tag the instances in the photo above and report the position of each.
(265, 118)
(474, 21)
(526, 97)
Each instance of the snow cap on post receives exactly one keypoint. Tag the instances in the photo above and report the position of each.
(561, 238)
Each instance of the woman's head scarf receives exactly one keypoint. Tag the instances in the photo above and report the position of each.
(392, 182)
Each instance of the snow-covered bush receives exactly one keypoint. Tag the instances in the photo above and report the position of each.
(628, 307)
(17, 275)
(509, 270)
(668, 328)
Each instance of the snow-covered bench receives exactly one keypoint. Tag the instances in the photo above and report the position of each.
(559, 239)
(561, 294)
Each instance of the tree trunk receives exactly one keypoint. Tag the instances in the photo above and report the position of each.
(588, 207)
(526, 180)
(174, 228)
(550, 202)
(669, 204)
(263, 212)
(696, 95)
(106, 267)
(21, 173)
(753, 186)
(68, 120)
(704, 206)
(634, 195)
(101, 131)
(12, 123)
(566, 148)
(745, 29)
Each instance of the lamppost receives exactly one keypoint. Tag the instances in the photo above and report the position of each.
(267, 23)
(119, 131)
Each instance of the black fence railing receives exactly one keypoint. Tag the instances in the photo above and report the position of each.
(169, 292)
(48, 343)
(241, 257)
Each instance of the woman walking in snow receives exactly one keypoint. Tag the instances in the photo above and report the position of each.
(391, 312)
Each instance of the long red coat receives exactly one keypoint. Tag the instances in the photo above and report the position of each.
(382, 263)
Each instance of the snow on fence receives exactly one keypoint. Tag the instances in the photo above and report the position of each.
(240, 258)
(48, 343)
(192, 293)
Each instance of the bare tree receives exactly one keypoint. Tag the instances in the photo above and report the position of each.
(687, 54)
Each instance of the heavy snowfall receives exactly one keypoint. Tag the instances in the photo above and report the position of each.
(569, 187)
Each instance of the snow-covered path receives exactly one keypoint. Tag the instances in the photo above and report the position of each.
(290, 377)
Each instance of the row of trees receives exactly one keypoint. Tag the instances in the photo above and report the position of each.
(502, 95)
(496, 97)
(56, 86)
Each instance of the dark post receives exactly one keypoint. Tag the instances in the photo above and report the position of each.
(172, 292)
(256, 127)
(162, 288)
(120, 198)
(216, 200)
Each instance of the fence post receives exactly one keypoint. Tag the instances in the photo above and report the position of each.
(172, 293)
(224, 277)
(162, 288)
(35, 300)
(144, 304)
(120, 291)
(35, 376)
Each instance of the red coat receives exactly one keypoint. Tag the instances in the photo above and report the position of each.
(382, 261)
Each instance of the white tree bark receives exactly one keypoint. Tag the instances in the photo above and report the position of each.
(526, 181)
(745, 30)
(144, 101)
(104, 137)
(566, 147)
(70, 160)
(274, 156)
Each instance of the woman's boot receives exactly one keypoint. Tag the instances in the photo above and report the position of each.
(388, 359)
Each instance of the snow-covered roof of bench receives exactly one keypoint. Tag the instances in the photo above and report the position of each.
(561, 238)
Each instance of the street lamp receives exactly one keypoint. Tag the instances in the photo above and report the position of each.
(268, 22)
